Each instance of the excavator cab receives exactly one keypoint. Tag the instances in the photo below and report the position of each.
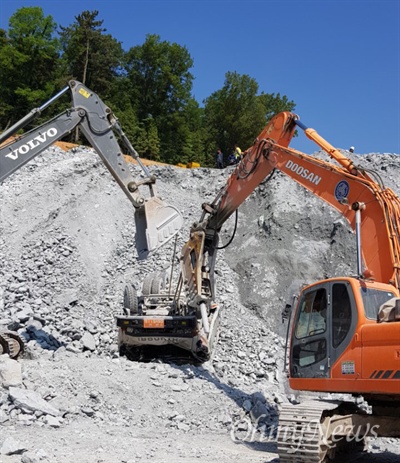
(337, 334)
(342, 343)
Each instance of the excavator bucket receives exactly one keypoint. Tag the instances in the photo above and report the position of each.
(156, 223)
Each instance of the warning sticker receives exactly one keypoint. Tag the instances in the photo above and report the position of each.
(348, 368)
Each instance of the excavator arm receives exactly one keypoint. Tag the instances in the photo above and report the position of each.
(155, 222)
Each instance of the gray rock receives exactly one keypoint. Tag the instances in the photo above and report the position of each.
(247, 405)
(11, 447)
(31, 400)
(88, 411)
(3, 417)
(53, 421)
(30, 457)
(88, 341)
(10, 372)
(1, 300)
(260, 410)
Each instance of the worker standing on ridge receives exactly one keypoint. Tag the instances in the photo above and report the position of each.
(238, 153)
(220, 159)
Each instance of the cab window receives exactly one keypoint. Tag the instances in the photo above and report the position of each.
(341, 313)
(311, 352)
(312, 314)
(373, 299)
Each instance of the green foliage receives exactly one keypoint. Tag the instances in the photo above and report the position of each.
(28, 62)
(161, 83)
(275, 104)
(160, 77)
(147, 140)
(89, 55)
(194, 121)
(148, 87)
(236, 114)
(3, 38)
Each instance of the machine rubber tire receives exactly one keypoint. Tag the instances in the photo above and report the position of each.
(15, 342)
(147, 284)
(158, 283)
(130, 299)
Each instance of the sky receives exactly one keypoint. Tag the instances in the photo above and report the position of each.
(339, 60)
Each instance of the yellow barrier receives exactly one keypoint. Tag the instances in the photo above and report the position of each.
(189, 165)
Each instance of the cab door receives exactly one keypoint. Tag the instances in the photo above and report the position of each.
(325, 321)
(309, 346)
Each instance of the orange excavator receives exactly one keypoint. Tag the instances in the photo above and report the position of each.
(344, 332)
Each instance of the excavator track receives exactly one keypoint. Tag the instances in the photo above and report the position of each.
(11, 343)
(300, 435)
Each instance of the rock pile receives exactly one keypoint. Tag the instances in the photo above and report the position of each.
(66, 252)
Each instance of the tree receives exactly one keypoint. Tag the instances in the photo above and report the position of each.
(160, 77)
(275, 104)
(28, 63)
(147, 140)
(3, 38)
(236, 113)
(90, 55)
(193, 146)
(161, 82)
